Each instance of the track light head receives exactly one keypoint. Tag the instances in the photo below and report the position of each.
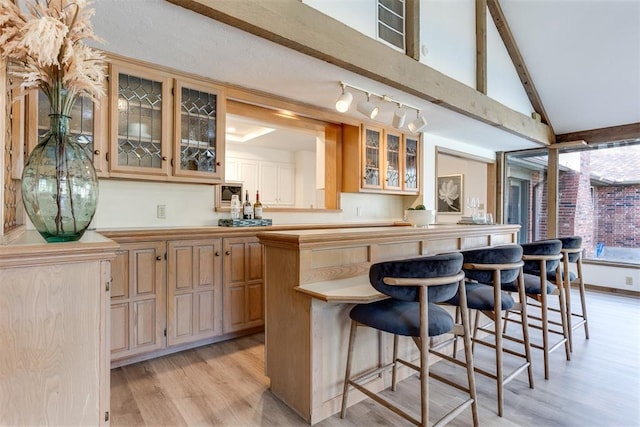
(367, 108)
(344, 101)
(399, 117)
(418, 125)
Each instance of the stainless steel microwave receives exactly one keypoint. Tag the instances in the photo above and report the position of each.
(226, 190)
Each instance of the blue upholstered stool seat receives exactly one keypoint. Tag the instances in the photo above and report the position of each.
(551, 275)
(480, 297)
(401, 317)
(531, 285)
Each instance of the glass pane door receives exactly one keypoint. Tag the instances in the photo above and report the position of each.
(198, 131)
(392, 161)
(372, 155)
(410, 164)
(139, 122)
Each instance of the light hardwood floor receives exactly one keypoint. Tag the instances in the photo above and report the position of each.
(224, 384)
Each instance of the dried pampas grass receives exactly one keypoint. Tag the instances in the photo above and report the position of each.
(44, 41)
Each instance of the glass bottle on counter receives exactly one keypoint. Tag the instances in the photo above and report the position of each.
(247, 210)
(257, 207)
(235, 207)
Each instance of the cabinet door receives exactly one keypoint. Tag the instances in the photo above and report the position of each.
(140, 121)
(372, 157)
(137, 299)
(199, 131)
(243, 284)
(286, 185)
(411, 150)
(194, 290)
(88, 124)
(392, 161)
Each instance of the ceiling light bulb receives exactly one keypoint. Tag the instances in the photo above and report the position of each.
(344, 102)
(418, 125)
(399, 117)
(367, 108)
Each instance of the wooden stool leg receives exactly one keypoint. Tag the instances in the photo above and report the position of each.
(395, 363)
(347, 375)
(524, 320)
(424, 356)
(497, 324)
(566, 283)
(545, 319)
(469, 358)
(583, 300)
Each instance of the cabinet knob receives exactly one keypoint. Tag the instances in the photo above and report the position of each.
(218, 163)
(164, 158)
(227, 253)
(96, 152)
(217, 253)
(158, 258)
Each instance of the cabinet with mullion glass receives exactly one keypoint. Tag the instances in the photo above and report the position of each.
(198, 151)
(392, 161)
(411, 152)
(372, 157)
(140, 121)
(87, 125)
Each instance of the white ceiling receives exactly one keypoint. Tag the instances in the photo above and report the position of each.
(583, 56)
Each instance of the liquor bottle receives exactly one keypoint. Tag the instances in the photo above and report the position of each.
(247, 208)
(257, 207)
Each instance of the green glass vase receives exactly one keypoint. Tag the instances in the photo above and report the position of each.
(59, 185)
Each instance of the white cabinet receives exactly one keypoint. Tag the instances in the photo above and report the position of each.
(277, 184)
(276, 181)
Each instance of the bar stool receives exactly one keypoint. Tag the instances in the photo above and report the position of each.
(540, 258)
(572, 254)
(488, 269)
(414, 286)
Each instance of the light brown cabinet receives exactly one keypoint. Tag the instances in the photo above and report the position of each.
(54, 323)
(88, 125)
(194, 308)
(243, 284)
(164, 126)
(137, 299)
(168, 295)
(378, 160)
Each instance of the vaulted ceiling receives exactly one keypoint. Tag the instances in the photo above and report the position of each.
(583, 57)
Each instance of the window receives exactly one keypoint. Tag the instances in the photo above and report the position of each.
(598, 198)
(391, 14)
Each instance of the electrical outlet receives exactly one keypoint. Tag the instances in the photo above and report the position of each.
(629, 280)
(161, 211)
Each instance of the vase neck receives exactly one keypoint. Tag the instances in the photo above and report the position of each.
(59, 123)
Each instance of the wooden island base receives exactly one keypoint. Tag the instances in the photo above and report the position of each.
(313, 278)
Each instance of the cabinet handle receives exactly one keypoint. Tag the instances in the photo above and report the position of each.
(227, 253)
(217, 253)
(218, 163)
(96, 152)
(158, 258)
(164, 158)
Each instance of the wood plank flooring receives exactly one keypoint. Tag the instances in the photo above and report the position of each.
(224, 384)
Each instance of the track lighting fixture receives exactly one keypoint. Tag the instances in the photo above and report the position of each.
(399, 117)
(419, 124)
(344, 102)
(367, 108)
(371, 110)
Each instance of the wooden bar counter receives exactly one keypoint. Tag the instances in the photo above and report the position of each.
(313, 278)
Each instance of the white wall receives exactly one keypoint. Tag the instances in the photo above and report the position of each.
(361, 15)
(611, 276)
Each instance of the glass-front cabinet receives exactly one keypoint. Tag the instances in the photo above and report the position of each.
(165, 126)
(372, 158)
(88, 125)
(140, 121)
(393, 161)
(199, 120)
(388, 161)
(411, 168)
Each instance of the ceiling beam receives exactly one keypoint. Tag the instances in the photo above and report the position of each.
(518, 61)
(481, 46)
(629, 132)
(295, 25)
(412, 29)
